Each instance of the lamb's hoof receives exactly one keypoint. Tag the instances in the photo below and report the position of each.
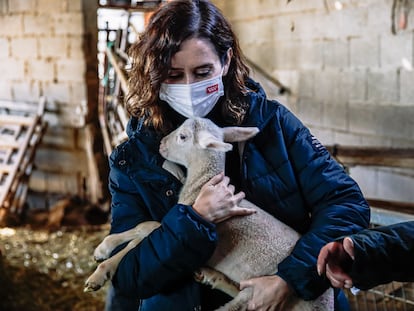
(97, 279)
(207, 276)
(199, 276)
(91, 287)
(99, 259)
(101, 253)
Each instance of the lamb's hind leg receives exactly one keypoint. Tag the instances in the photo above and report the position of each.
(109, 243)
(217, 280)
(220, 281)
(106, 269)
(239, 303)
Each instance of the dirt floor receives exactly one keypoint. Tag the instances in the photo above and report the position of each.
(45, 271)
(41, 270)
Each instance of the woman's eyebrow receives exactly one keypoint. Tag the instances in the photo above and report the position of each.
(203, 66)
(208, 65)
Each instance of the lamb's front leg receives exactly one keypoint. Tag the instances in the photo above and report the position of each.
(109, 243)
(106, 269)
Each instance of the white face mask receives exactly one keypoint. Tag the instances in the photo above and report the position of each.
(195, 99)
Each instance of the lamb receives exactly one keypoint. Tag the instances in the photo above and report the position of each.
(248, 246)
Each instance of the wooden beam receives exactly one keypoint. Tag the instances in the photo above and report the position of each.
(114, 60)
(142, 6)
(14, 119)
(17, 161)
(373, 156)
(395, 206)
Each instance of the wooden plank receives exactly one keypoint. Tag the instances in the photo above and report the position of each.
(11, 144)
(24, 107)
(373, 156)
(113, 59)
(385, 217)
(41, 106)
(95, 187)
(19, 106)
(18, 143)
(19, 198)
(140, 6)
(5, 168)
(9, 180)
(5, 155)
(11, 131)
(13, 119)
(396, 206)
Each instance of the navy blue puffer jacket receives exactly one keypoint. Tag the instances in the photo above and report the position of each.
(284, 169)
(383, 254)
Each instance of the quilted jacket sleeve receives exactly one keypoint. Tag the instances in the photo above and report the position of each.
(169, 254)
(335, 204)
(383, 254)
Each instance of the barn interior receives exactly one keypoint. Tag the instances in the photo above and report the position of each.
(344, 67)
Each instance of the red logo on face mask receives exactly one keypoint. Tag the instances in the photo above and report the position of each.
(212, 89)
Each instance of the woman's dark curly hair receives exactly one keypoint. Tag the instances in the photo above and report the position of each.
(173, 23)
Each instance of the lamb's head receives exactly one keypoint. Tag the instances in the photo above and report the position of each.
(197, 135)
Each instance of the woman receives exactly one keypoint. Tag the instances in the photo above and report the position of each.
(370, 257)
(188, 63)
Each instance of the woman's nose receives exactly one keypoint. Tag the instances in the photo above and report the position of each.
(188, 79)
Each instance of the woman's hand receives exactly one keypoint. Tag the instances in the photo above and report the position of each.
(217, 202)
(334, 260)
(270, 293)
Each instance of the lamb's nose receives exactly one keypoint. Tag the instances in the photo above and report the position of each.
(162, 146)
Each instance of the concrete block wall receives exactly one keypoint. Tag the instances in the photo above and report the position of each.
(41, 55)
(352, 79)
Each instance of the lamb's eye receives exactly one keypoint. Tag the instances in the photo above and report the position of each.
(182, 137)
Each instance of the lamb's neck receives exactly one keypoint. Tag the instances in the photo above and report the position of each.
(199, 173)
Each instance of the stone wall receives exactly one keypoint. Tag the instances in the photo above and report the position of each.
(352, 79)
(42, 54)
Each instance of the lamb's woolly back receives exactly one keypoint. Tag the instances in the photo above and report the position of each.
(248, 246)
(200, 146)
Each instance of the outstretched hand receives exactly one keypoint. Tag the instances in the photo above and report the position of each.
(334, 261)
(270, 293)
(217, 202)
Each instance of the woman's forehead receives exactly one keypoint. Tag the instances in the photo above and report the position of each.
(194, 52)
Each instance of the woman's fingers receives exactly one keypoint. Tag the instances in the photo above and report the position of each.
(215, 180)
(333, 261)
(238, 197)
(218, 202)
(335, 279)
(323, 259)
(349, 247)
(338, 278)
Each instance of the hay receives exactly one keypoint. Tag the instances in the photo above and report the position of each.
(46, 271)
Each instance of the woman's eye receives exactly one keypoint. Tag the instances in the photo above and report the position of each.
(174, 76)
(203, 74)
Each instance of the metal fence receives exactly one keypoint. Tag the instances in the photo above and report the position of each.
(394, 296)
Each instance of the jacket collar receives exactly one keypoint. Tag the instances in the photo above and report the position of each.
(261, 110)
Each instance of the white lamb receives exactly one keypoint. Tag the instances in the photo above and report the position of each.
(248, 246)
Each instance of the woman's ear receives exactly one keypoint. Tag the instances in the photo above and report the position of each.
(228, 61)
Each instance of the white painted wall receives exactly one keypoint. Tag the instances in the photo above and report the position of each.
(352, 78)
(41, 55)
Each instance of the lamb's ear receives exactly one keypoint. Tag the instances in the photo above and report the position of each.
(207, 141)
(236, 133)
